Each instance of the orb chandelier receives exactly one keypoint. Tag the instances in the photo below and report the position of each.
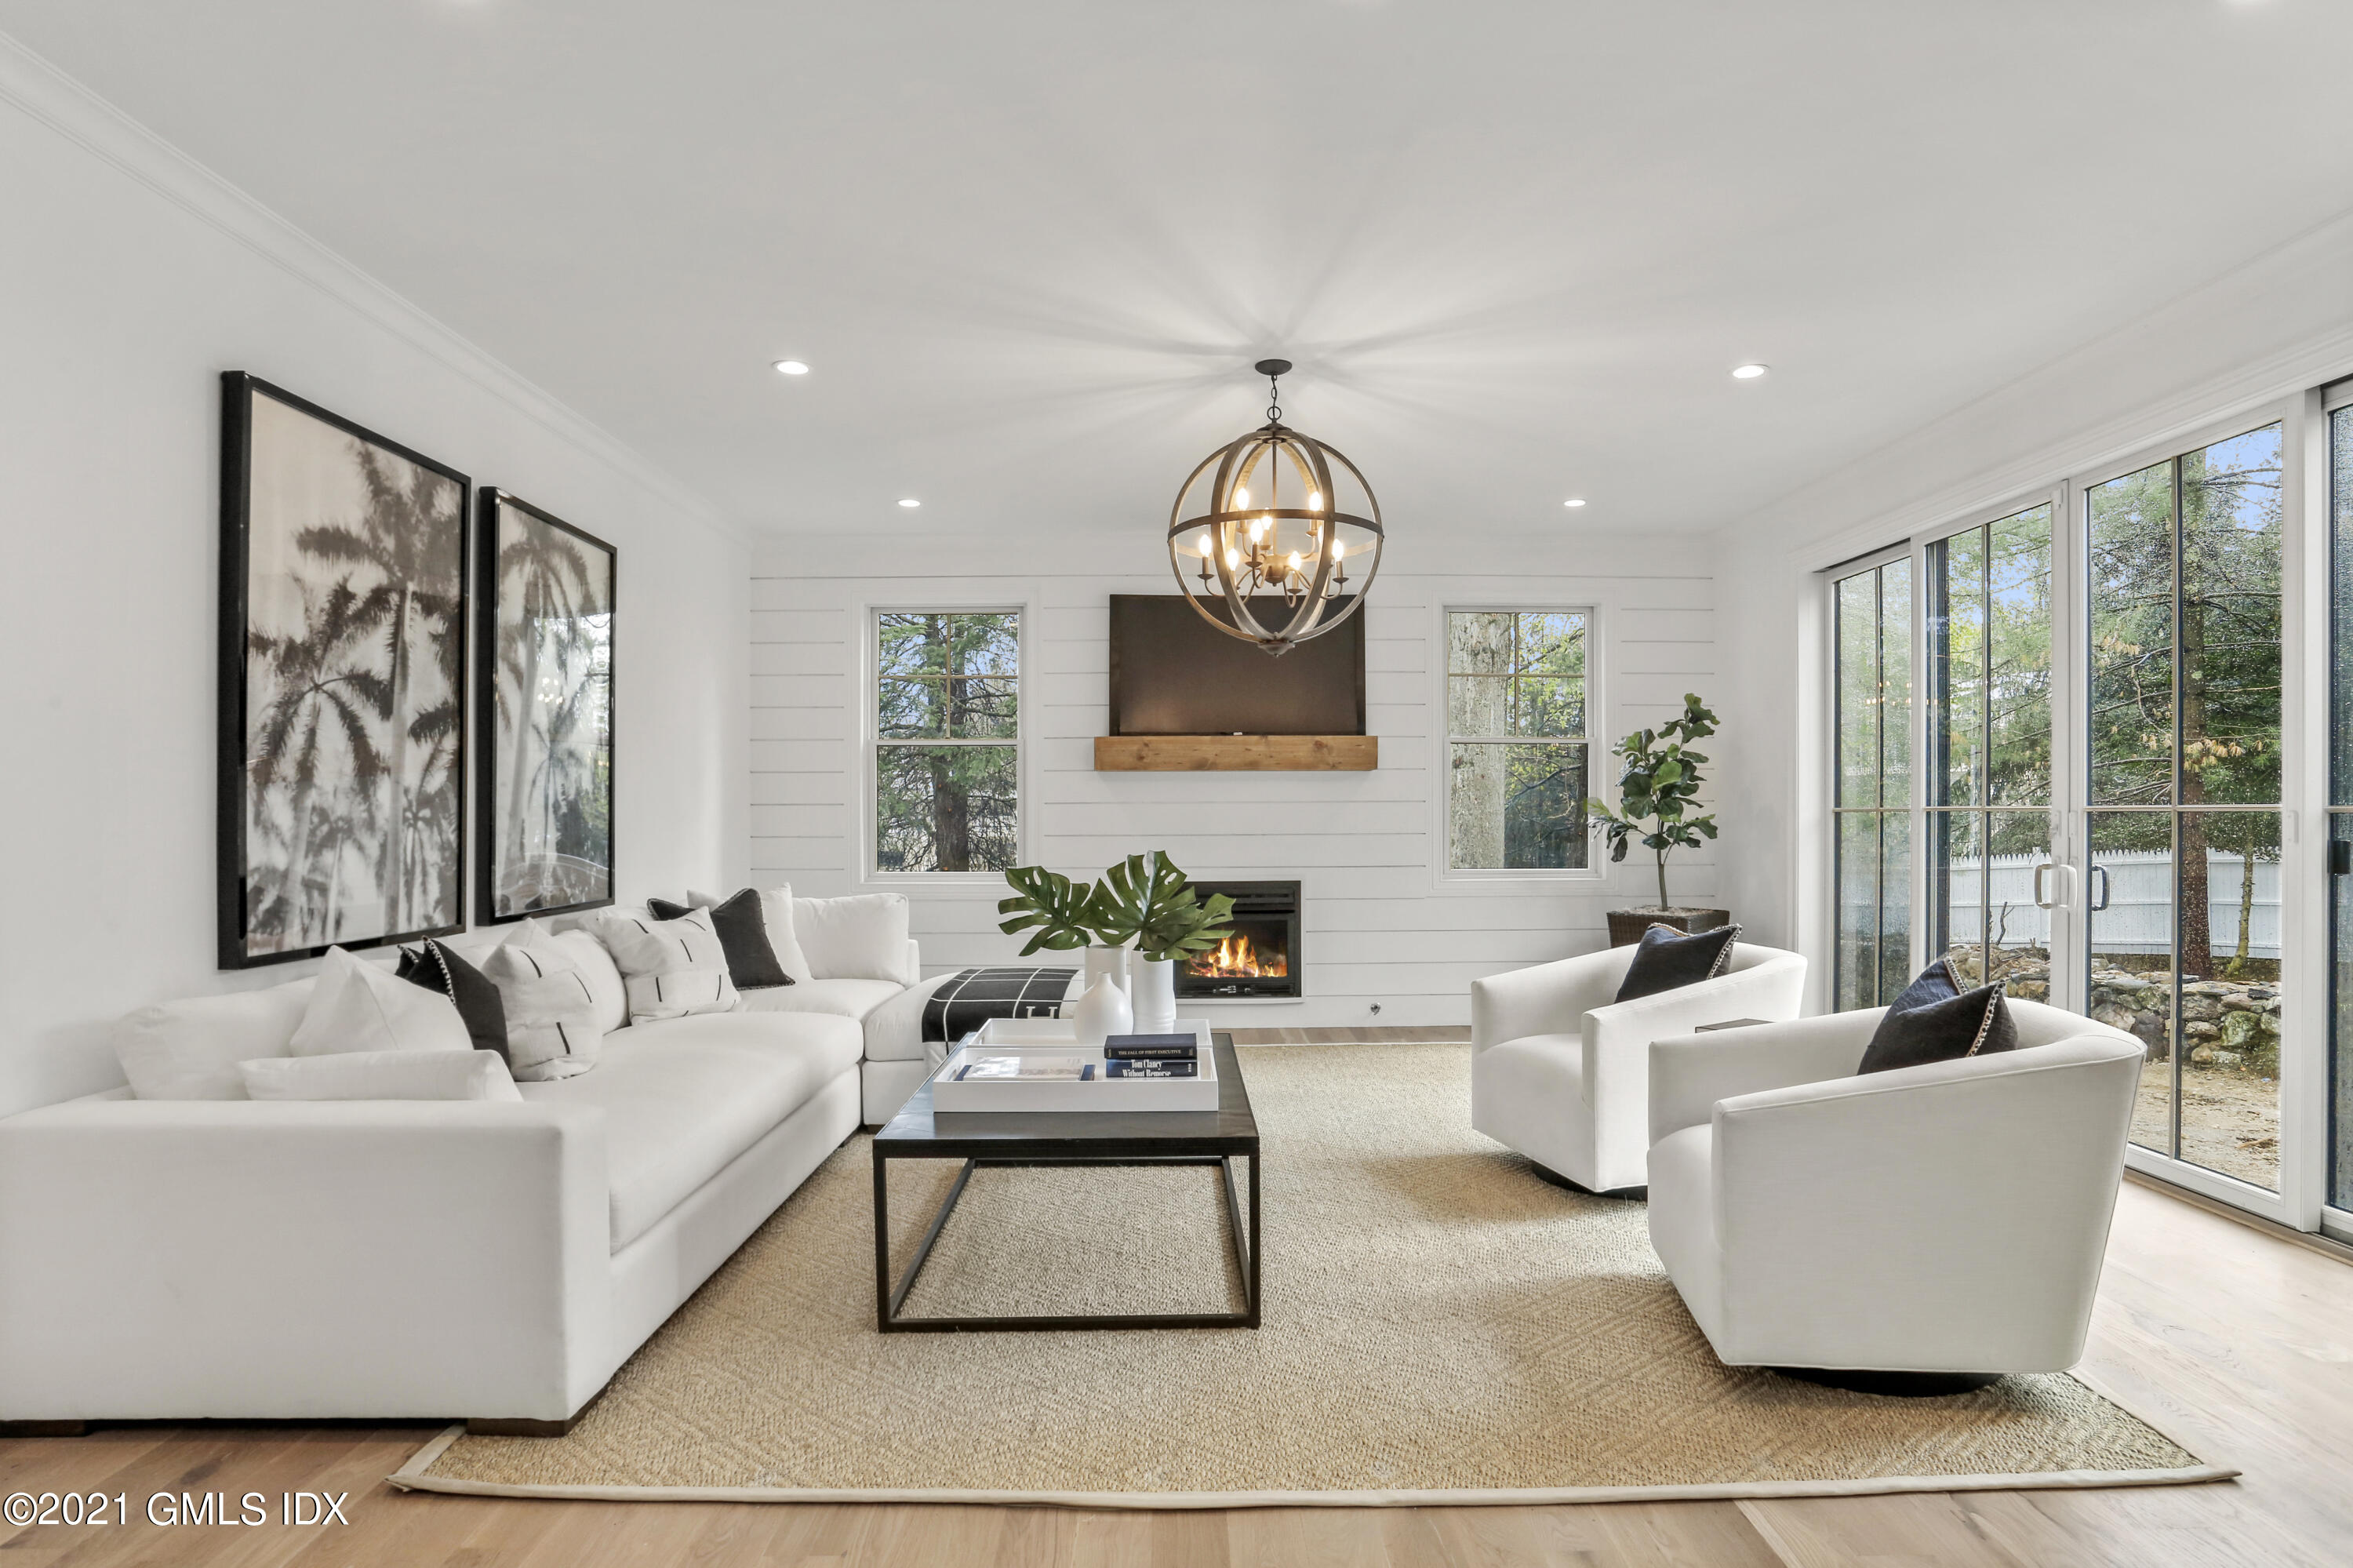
(1290, 529)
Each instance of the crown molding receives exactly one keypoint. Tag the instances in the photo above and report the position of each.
(50, 97)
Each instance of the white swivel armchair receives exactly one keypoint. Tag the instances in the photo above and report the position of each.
(1946, 1219)
(1560, 1071)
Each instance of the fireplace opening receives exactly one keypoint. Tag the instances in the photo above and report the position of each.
(1261, 957)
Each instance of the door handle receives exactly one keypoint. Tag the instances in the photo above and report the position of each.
(2100, 896)
(2340, 858)
(2041, 886)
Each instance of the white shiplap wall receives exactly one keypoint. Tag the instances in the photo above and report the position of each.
(1383, 924)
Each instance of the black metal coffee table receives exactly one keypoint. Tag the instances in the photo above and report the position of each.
(1071, 1137)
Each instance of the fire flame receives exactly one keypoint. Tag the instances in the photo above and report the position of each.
(1235, 959)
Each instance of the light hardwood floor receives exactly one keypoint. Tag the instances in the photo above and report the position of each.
(2241, 1344)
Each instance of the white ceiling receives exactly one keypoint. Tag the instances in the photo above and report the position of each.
(1030, 247)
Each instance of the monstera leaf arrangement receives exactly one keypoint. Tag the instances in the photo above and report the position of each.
(1143, 902)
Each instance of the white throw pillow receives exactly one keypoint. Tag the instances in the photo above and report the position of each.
(776, 916)
(189, 1049)
(862, 937)
(357, 1006)
(381, 1075)
(673, 968)
(551, 1002)
(604, 987)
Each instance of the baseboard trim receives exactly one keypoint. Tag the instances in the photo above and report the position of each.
(44, 1428)
(2311, 1241)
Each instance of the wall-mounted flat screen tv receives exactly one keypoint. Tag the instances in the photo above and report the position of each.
(1173, 673)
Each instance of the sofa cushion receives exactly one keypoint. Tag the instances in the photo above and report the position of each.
(381, 1075)
(358, 1006)
(851, 999)
(862, 937)
(683, 1096)
(189, 1049)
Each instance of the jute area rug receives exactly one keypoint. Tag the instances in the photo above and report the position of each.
(1440, 1326)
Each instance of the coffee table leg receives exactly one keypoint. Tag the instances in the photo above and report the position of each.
(890, 1299)
(1258, 1243)
(881, 1245)
(1245, 1250)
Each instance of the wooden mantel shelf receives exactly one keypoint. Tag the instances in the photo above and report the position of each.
(1237, 753)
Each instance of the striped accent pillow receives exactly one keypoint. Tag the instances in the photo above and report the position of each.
(551, 1011)
(673, 968)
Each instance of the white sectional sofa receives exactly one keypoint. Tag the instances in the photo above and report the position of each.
(200, 1258)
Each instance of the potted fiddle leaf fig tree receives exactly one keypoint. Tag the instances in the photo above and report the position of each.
(1656, 788)
(1147, 905)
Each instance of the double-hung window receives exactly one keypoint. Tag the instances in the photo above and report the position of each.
(947, 746)
(1516, 694)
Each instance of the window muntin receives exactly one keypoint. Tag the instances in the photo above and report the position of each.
(948, 759)
(1517, 704)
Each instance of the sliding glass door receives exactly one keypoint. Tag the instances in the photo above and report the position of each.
(2071, 740)
(2183, 743)
(1871, 638)
(1987, 704)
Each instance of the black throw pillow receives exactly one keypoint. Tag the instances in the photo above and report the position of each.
(1933, 1021)
(1934, 984)
(743, 937)
(475, 995)
(1666, 958)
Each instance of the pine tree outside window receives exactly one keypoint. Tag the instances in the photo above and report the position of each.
(948, 749)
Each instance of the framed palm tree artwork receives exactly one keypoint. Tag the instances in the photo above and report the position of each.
(545, 705)
(343, 740)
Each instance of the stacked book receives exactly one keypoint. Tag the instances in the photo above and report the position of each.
(1151, 1057)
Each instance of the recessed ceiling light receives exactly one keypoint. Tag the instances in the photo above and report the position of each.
(910, 502)
(792, 367)
(1748, 372)
(1574, 501)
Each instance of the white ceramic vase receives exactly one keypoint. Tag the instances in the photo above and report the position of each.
(1102, 962)
(1152, 991)
(1101, 1010)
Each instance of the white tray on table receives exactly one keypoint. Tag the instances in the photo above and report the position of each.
(1057, 1038)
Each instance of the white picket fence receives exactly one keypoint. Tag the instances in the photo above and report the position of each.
(2138, 917)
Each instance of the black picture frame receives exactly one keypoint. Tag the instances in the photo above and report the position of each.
(498, 743)
(367, 580)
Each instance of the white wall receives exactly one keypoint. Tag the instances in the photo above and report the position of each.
(2279, 325)
(129, 281)
(1381, 925)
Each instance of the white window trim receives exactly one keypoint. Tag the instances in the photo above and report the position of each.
(869, 687)
(1442, 732)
